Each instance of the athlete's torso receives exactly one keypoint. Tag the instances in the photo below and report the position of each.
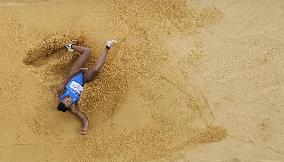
(74, 88)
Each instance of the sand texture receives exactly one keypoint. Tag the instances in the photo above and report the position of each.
(188, 80)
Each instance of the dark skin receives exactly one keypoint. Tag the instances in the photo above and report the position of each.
(89, 75)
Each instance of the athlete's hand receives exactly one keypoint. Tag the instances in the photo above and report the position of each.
(83, 131)
(85, 126)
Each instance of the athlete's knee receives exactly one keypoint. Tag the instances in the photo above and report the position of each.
(88, 50)
(94, 73)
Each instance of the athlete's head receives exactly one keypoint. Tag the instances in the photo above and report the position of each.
(65, 104)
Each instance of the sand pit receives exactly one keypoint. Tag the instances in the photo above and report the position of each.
(182, 84)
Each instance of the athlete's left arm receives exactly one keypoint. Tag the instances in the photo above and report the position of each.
(83, 118)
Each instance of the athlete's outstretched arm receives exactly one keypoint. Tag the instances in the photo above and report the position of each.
(83, 118)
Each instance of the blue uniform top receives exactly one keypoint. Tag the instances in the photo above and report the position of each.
(74, 88)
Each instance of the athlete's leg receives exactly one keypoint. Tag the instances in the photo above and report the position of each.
(82, 60)
(93, 72)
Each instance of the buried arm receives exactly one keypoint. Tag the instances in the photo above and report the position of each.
(83, 118)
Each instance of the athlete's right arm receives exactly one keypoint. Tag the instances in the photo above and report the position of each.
(83, 118)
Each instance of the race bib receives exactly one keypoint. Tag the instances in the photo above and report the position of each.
(76, 87)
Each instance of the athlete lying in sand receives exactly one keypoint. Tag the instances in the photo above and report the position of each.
(70, 90)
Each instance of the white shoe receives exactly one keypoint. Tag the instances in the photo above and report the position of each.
(110, 43)
(69, 47)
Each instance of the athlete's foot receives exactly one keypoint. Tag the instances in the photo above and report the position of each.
(110, 43)
(69, 47)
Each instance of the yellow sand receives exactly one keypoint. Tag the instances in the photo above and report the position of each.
(188, 80)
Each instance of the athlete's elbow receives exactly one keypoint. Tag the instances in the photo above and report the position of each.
(86, 120)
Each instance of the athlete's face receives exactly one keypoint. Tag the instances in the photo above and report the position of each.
(67, 101)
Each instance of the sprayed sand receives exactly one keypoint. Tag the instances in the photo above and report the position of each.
(148, 103)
